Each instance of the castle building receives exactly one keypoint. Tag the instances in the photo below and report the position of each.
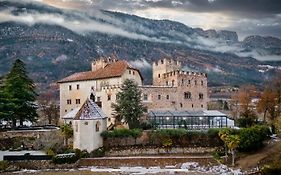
(172, 88)
(175, 89)
(101, 85)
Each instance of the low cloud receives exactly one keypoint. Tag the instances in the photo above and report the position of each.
(105, 22)
(141, 64)
(82, 24)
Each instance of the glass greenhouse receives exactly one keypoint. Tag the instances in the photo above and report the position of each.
(191, 120)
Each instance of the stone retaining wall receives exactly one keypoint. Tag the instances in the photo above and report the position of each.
(31, 139)
(156, 151)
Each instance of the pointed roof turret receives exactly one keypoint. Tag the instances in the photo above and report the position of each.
(89, 111)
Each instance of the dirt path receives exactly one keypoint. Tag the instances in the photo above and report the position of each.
(251, 161)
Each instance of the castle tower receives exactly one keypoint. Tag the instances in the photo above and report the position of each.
(163, 66)
(102, 62)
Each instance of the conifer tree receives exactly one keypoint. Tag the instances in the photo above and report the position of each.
(20, 93)
(128, 104)
(5, 107)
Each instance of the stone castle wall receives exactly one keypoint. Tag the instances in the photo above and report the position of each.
(170, 86)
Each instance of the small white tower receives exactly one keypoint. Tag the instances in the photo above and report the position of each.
(88, 124)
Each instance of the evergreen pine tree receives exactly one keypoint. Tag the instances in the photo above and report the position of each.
(4, 105)
(19, 89)
(128, 104)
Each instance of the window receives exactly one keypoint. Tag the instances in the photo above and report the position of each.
(182, 82)
(167, 83)
(181, 105)
(159, 97)
(162, 62)
(77, 87)
(145, 97)
(195, 82)
(65, 110)
(189, 82)
(173, 82)
(192, 105)
(158, 75)
(202, 83)
(187, 95)
(201, 95)
(202, 106)
(92, 97)
(98, 126)
(133, 72)
(68, 101)
(108, 97)
(109, 119)
(167, 97)
(77, 101)
(69, 87)
(129, 71)
(76, 127)
(98, 99)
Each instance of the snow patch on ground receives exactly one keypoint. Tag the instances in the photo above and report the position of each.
(188, 167)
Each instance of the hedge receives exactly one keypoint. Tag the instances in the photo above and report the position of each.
(121, 133)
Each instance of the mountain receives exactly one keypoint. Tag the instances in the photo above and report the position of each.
(55, 43)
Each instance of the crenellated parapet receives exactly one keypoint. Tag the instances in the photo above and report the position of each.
(176, 73)
(166, 62)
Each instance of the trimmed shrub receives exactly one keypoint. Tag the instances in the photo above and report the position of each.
(121, 133)
(81, 154)
(65, 158)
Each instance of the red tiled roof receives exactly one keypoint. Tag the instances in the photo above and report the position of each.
(115, 69)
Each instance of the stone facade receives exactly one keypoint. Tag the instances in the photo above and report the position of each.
(172, 88)
(175, 89)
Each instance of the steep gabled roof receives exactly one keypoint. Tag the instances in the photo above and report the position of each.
(89, 111)
(115, 69)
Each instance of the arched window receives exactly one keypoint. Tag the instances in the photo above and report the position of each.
(187, 95)
(201, 95)
(98, 126)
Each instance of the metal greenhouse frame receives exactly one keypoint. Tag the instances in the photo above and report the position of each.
(191, 120)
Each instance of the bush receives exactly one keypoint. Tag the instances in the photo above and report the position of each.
(3, 166)
(146, 126)
(65, 158)
(121, 133)
(213, 132)
(252, 138)
(245, 122)
(81, 154)
(100, 152)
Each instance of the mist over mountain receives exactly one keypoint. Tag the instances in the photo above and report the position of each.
(55, 43)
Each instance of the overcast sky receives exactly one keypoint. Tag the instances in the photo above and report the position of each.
(246, 17)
